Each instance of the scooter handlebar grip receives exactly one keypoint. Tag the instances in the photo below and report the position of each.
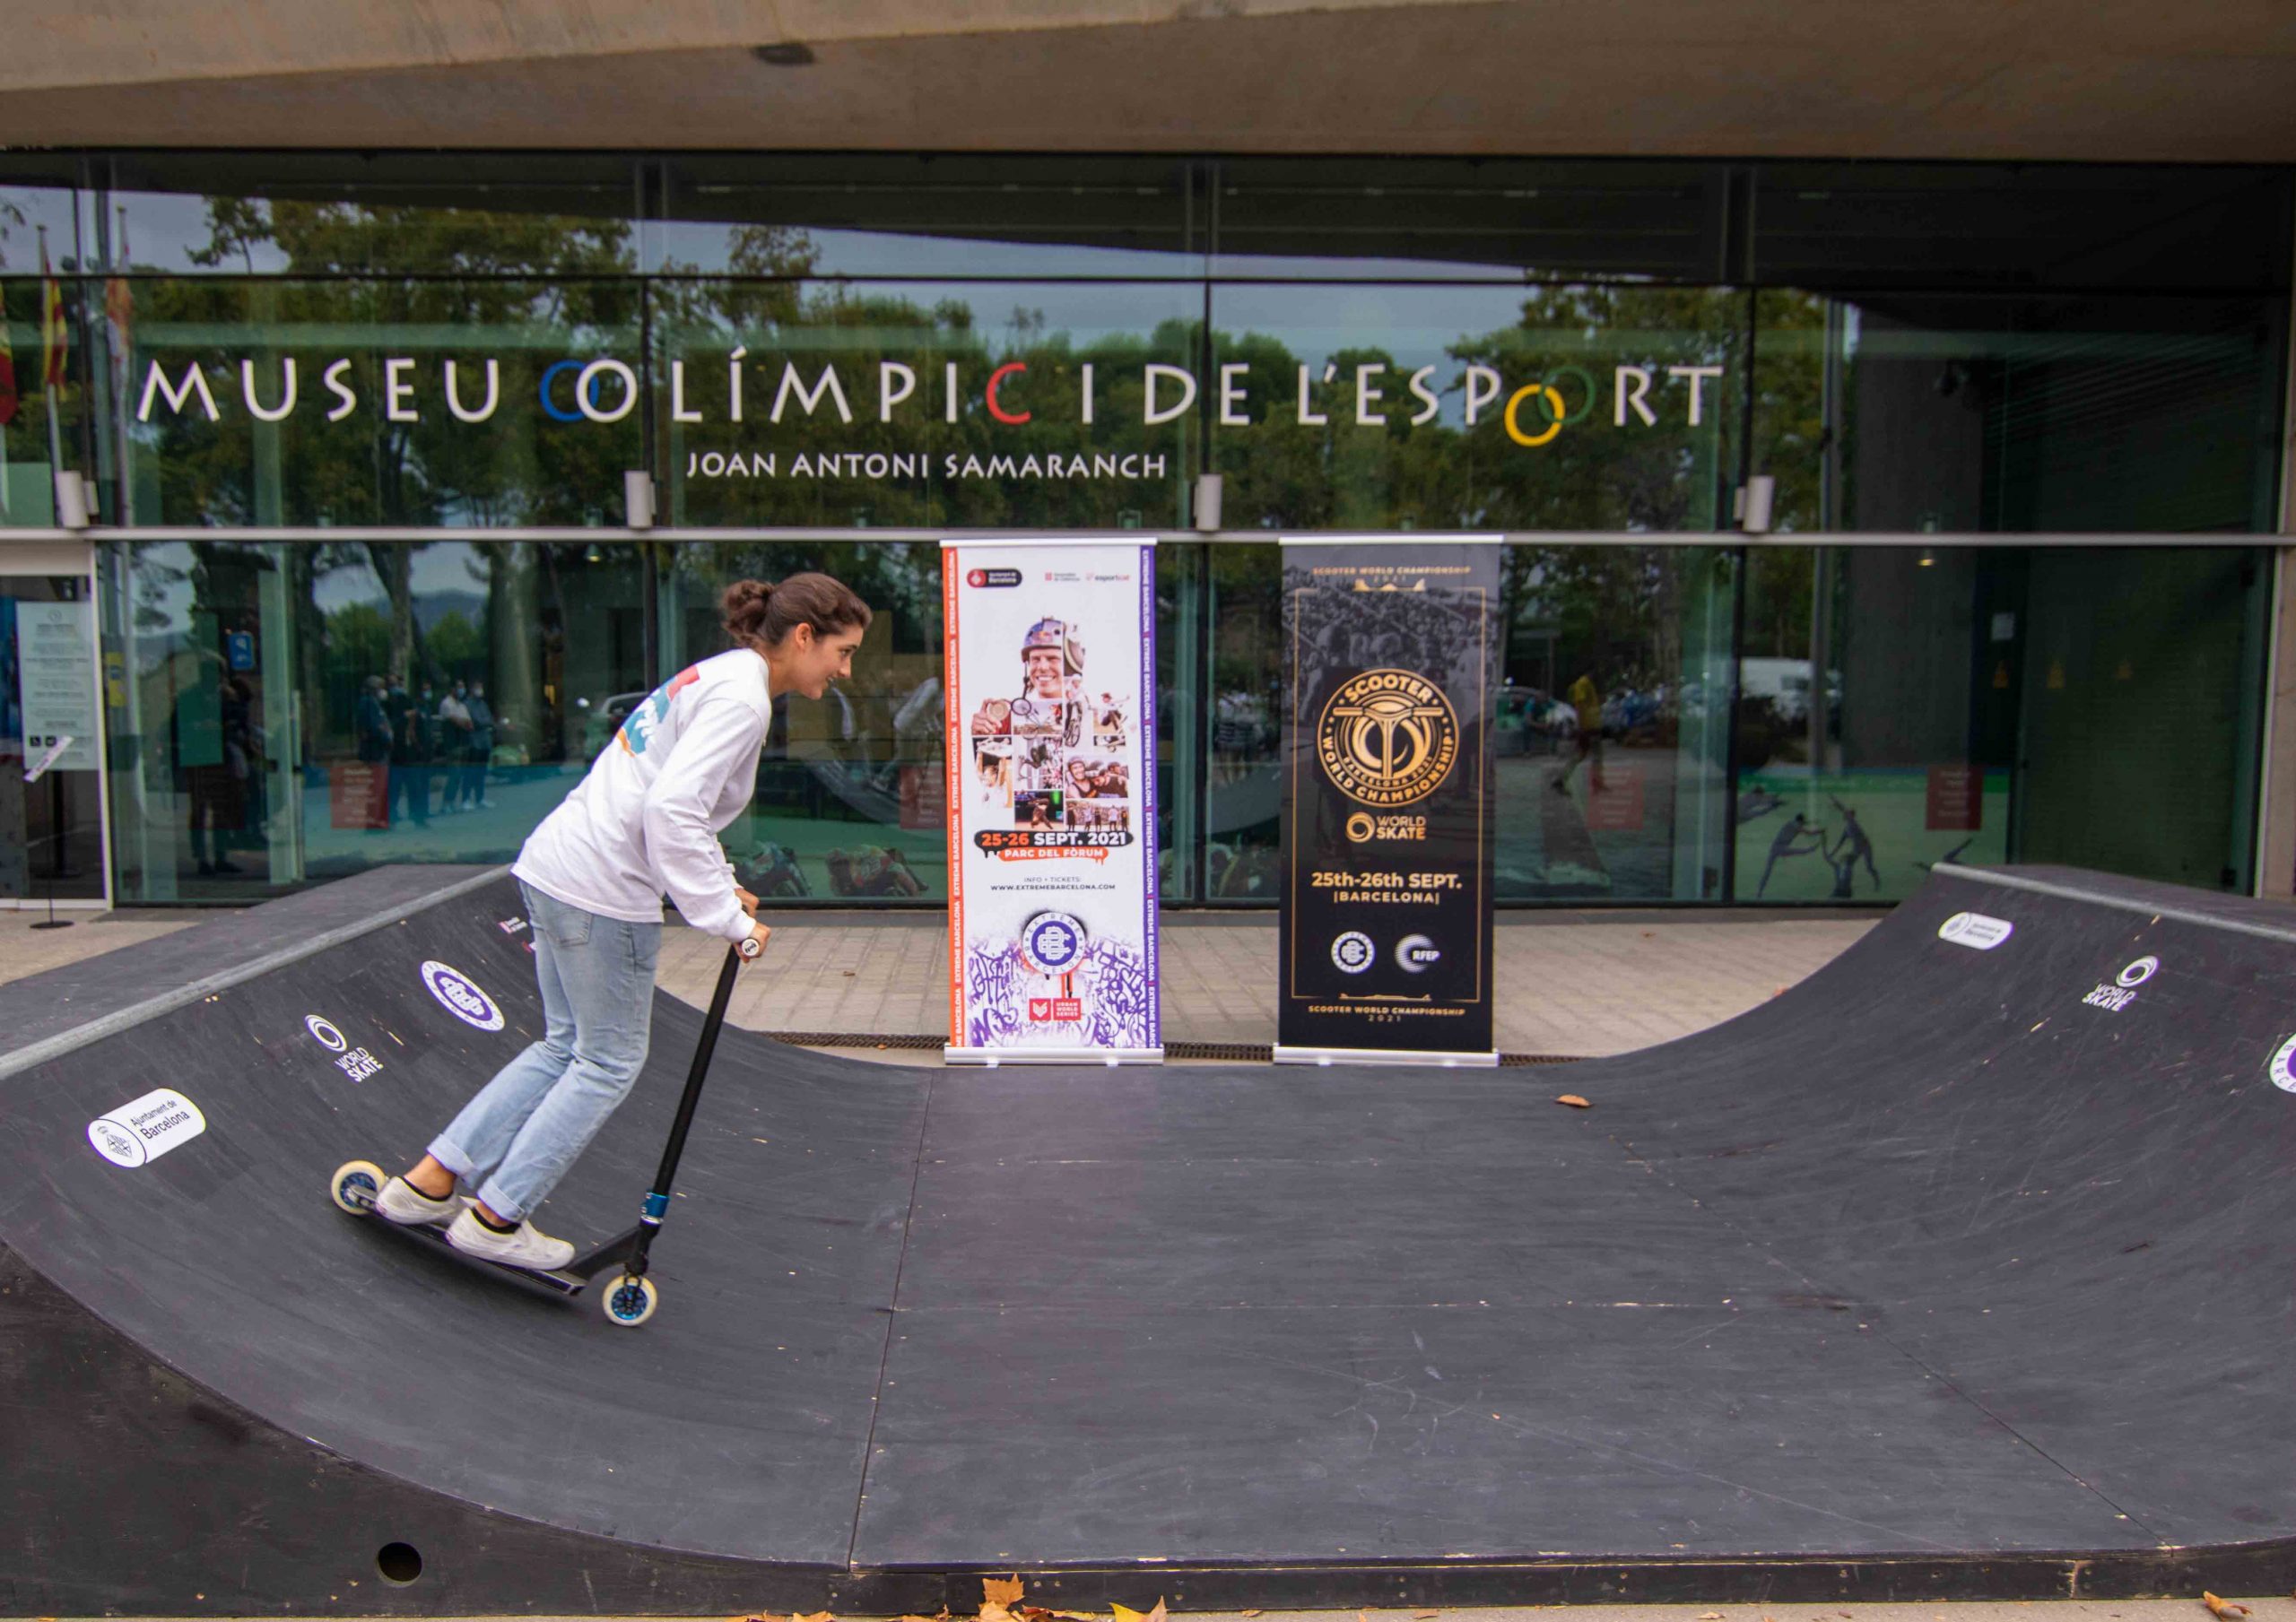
(749, 950)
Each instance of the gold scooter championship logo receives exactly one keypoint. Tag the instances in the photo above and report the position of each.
(1387, 738)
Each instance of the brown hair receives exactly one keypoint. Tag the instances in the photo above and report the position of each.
(760, 614)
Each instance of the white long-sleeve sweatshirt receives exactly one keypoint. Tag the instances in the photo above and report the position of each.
(644, 820)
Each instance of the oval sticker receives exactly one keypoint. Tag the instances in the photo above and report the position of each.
(1976, 930)
(460, 996)
(137, 1133)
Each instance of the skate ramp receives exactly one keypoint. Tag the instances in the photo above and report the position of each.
(1938, 1275)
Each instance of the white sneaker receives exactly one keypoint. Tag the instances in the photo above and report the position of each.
(408, 1206)
(528, 1247)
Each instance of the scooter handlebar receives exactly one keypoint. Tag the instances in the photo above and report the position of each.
(749, 948)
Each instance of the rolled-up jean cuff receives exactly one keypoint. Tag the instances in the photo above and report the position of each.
(491, 1195)
(449, 1154)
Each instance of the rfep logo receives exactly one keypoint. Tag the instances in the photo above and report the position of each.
(460, 996)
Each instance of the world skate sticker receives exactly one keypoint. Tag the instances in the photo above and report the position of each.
(138, 1133)
(1976, 930)
(2283, 1068)
(460, 996)
(2118, 995)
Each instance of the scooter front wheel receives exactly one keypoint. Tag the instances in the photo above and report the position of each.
(630, 1301)
(355, 1185)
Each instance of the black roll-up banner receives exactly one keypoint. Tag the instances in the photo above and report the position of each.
(1387, 800)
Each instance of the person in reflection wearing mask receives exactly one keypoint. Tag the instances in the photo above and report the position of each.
(478, 747)
(452, 733)
(643, 821)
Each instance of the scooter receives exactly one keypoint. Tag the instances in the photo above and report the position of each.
(631, 1298)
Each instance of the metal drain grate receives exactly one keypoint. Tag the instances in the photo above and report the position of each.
(1222, 1053)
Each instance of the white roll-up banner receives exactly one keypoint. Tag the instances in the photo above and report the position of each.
(1051, 693)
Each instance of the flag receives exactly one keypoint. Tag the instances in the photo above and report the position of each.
(7, 373)
(55, 335)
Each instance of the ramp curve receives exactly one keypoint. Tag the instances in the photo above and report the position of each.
(1949, 1272)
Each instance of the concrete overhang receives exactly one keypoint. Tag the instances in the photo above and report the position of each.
(2117, 80)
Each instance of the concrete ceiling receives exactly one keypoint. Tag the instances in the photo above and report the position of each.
(2127, 80)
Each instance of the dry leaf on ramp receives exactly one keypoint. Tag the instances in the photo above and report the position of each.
(1000, 1591)
(2222, 1608)
(1574, 1101)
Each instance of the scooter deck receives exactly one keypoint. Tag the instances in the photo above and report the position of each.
(569, 1280)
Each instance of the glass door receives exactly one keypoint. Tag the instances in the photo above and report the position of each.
(51, 795)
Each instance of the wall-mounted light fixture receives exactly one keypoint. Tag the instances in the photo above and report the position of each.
(70, 499)
(1756, 498)
(638, 498)
(1207, 501)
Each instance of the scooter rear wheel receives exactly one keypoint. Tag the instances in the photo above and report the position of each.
(630, 1301)
(355, 1185)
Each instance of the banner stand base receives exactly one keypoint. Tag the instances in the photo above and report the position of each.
(991, 1058)
(1383, 1056)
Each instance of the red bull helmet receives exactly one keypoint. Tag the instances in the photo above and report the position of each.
(1054, 633)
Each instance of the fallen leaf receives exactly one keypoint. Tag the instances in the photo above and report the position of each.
(1000, 1591)
(2222, 1608)
(1422, 1616)
(819, 1616)
(1574, 1101)
(1251, 1613)
(1710, 1616)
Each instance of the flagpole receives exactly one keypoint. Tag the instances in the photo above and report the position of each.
(51, 389)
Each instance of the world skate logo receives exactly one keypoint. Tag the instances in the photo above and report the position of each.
(2122, 992)
(1976, 930)
(324, 1033)
(460, 996)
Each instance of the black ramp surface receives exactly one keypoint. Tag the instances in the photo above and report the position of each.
(1942, 1274)
(225, 1259)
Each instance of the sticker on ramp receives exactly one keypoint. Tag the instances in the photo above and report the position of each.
(1976, 930)
(2283, 1076)
(135, 1134)
(460, 996)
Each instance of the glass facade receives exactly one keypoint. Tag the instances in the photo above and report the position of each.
(441, 356)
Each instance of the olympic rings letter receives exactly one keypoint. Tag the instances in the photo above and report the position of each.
(1553, 404)
(997, 376)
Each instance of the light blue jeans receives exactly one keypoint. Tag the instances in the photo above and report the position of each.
(516, 1138)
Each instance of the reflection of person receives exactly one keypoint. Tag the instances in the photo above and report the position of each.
(1586, 700)
(1844, 855)
(1786, 845)
(410, 754)
(370, 725)
(453, 735)
(642, 821)
(218, 792)
(478, 745)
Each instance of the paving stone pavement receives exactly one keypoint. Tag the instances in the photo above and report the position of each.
(1582, 983)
